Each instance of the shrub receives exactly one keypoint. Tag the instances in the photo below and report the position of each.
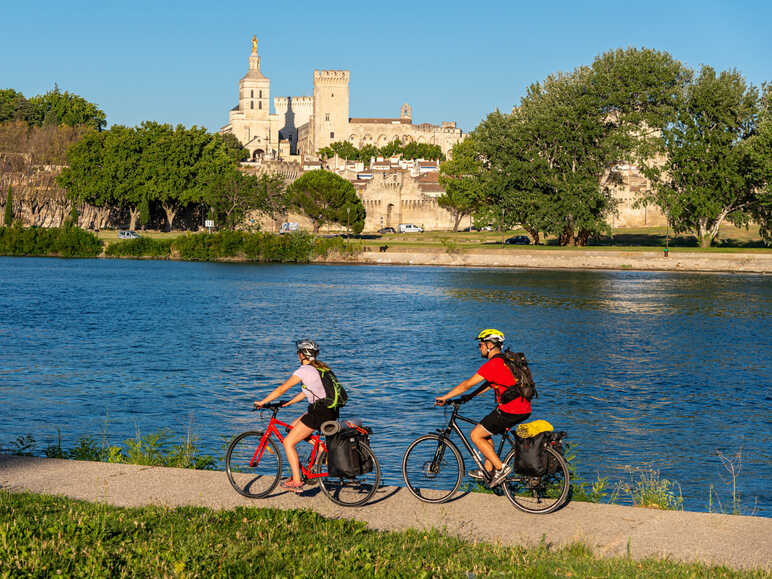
(142, 247)
(37, 241)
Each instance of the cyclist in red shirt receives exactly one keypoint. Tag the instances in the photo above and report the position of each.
(497, 376)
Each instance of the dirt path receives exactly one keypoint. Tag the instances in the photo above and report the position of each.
(760, 262)
(610, 530)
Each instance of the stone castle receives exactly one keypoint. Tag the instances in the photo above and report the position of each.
(393, 190)
(301, 125)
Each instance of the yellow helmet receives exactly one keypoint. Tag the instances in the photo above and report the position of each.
(491, 335)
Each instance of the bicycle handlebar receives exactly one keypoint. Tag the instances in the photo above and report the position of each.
(270, 406)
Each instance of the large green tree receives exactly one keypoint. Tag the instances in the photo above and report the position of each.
(461, 179)
(711, 172)
(327, 198)
(551, 164)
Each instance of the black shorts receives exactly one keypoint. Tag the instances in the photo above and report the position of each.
(317, 414)
(497, 421)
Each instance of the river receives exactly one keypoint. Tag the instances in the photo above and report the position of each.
(644, 370)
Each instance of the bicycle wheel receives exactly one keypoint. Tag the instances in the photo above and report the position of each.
(354, 491)
(538, 494)
(252, 480)
(432, 468)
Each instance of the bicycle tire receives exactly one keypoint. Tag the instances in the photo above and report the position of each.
(353, 491)
(427, 478)
(258, 480)
(538, 495)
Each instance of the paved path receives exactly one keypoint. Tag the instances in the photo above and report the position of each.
(610, 530)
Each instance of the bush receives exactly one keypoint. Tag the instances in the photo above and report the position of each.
(37, 241)
(297, 247)
(144, 246)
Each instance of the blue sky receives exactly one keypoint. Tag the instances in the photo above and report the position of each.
(180, 62)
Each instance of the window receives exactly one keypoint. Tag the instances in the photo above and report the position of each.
(251, 104)
(326, 116)
(251, 94)
(260, 94)
(260, 105)
(332, 135)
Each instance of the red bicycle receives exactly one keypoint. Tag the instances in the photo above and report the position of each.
(253, 463)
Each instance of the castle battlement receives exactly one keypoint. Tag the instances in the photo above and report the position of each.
(331, 75)
(296, 101)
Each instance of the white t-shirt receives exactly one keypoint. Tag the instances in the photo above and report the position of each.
(312, 382)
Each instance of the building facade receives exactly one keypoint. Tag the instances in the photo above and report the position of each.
(301, 125)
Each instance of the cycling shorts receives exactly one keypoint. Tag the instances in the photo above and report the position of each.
(317, 414)
(497, 421)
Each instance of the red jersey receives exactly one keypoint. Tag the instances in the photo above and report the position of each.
(500, 376)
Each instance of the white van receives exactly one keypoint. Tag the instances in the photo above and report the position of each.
(288, 226)
(409, 228)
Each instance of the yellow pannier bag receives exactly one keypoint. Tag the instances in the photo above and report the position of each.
(531, 429)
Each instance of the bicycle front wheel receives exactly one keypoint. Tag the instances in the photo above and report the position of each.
(250, 476)
(539, 495)
(432, 468)
(352, 491)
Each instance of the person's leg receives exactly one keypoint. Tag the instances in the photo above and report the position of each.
(483, 440)
(299, 432)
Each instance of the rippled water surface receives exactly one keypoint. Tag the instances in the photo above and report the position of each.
(649, 370)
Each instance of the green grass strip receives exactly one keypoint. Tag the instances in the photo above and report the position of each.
(47, 536)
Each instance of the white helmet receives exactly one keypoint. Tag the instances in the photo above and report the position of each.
(308, 348)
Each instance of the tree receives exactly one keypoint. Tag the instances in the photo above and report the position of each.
(327, 198)
(8, 217)
(760, 150)
(461, 178)
(710, 173)
(62, 108)
(13, 106)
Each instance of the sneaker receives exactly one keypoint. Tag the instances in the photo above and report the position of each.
(500, 475)
(292, 486)
(476, 474)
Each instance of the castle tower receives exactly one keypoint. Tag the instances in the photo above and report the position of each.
(331, 98)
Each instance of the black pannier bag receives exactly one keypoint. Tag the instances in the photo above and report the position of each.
(531, 458)
(344, 457)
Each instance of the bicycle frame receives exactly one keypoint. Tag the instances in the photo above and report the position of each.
(273, 429)
(454, 427)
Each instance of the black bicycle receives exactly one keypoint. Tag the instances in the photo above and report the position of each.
(433, 468)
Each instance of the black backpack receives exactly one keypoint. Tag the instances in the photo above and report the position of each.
(525, 386)
(334, 394)
(344, 455)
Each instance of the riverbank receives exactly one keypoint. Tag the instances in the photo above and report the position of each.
(738, 542)
(654, 260)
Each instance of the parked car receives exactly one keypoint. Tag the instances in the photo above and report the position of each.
(409, 228)
(383, 230)
(518, 240)
(486, 228)
(288, 227)
(128, 235)
(470, 228)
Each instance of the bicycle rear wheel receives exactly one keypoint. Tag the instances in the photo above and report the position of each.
(432, 468)
(351, 491)
(538, 494)
(253, 480)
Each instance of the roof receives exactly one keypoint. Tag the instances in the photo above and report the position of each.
(362, 121)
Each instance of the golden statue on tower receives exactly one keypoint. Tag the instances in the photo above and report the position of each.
(254, 43)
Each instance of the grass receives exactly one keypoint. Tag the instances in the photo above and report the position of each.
(732, 239)
(46, 536)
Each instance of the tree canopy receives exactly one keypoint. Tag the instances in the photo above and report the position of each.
(411, 150)
(327, 198)
(52, 108)
(716, 161)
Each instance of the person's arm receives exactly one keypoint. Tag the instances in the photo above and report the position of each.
(297, 398)
(460, 389)
(278, 391)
